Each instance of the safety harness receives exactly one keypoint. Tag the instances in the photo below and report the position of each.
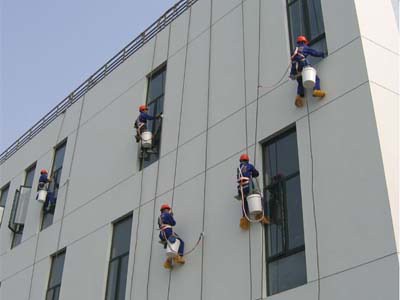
(298, 51)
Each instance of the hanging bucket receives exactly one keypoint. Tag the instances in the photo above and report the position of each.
(172, 248)
(309, 74)
(1, 213)
(255, 205)
(146, 139)
(41, 196)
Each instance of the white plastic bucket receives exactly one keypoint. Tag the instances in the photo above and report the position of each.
(147, 139)
(41, 196)
(1, 213)
(172, 248)
(309, 74)
(255, 205)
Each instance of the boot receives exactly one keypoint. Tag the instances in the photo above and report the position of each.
(168, 264)
(179, 259)
(244, 223)
(299, 102)
(319, 93)
(265, 220)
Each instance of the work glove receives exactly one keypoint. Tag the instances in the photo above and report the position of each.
(159, 116)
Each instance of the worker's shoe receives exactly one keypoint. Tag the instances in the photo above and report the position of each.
(168, 264)
(244, 223)
(265, 220)
(179, 259)
(319, 93)
(299, 102)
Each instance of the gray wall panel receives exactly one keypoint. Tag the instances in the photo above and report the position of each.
(178, 38)
(89, 258)
(200, 19)
(353, 189)
(191, 159)
(172, 101)
(226, 248)
(226, 82)
(222, 7)
(188, 212)
(17, 287)
(194, 107)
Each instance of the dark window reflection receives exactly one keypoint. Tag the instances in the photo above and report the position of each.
(155, 103)
(118, 266)
(57, 267)
(305, 18)
(285, 235)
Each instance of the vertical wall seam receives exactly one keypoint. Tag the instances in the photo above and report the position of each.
(38, 234)
(246, 135)
(313, 200)
(157, 177)
(180, 123)
(141, 190)
(255, 140)
(206, 151)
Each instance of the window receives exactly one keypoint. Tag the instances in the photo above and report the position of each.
(155, 103)
(48, 212)
(286, 263)
(118, 266)
(26, 191)
(305, 18)
(56, 272)
(3, 200)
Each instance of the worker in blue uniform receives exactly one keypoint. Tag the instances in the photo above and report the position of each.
(245, 174)
(141, 121)
(165, 222)
(299, 61)
(44, 181)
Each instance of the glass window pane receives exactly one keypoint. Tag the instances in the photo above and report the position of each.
(112, 280)
(47, 220)
(287, 273)
(59, 157)
(271, 161)
(122, 277)
(17, 239)
(295, 213)
(320, 46)
(288, 160)
(156, 87)
(122, 237)
(29, 176)
(316, 20)
(296, 21)
(49, 295)
(56, 293)
(4, 194)
(57, 270)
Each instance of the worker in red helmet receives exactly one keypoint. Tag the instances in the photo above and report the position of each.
(44, 182)
(165, 223)
(245, 174)
(141, 121)
(299, 61)
(43, 179)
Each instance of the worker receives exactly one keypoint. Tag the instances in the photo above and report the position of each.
(165, 222)
(141, 121)
(299, 61)
(245, 174)
(44, 181)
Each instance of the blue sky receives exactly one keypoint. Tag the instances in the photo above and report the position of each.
(49, 47)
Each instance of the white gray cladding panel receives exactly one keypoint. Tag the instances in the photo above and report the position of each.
(347, 165)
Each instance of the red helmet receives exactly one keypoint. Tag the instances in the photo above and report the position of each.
(302, 39)
(165, 206)
(244, 157)
(143, 107)
(43, 171)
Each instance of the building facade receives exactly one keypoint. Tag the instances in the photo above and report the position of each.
(217, 71)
